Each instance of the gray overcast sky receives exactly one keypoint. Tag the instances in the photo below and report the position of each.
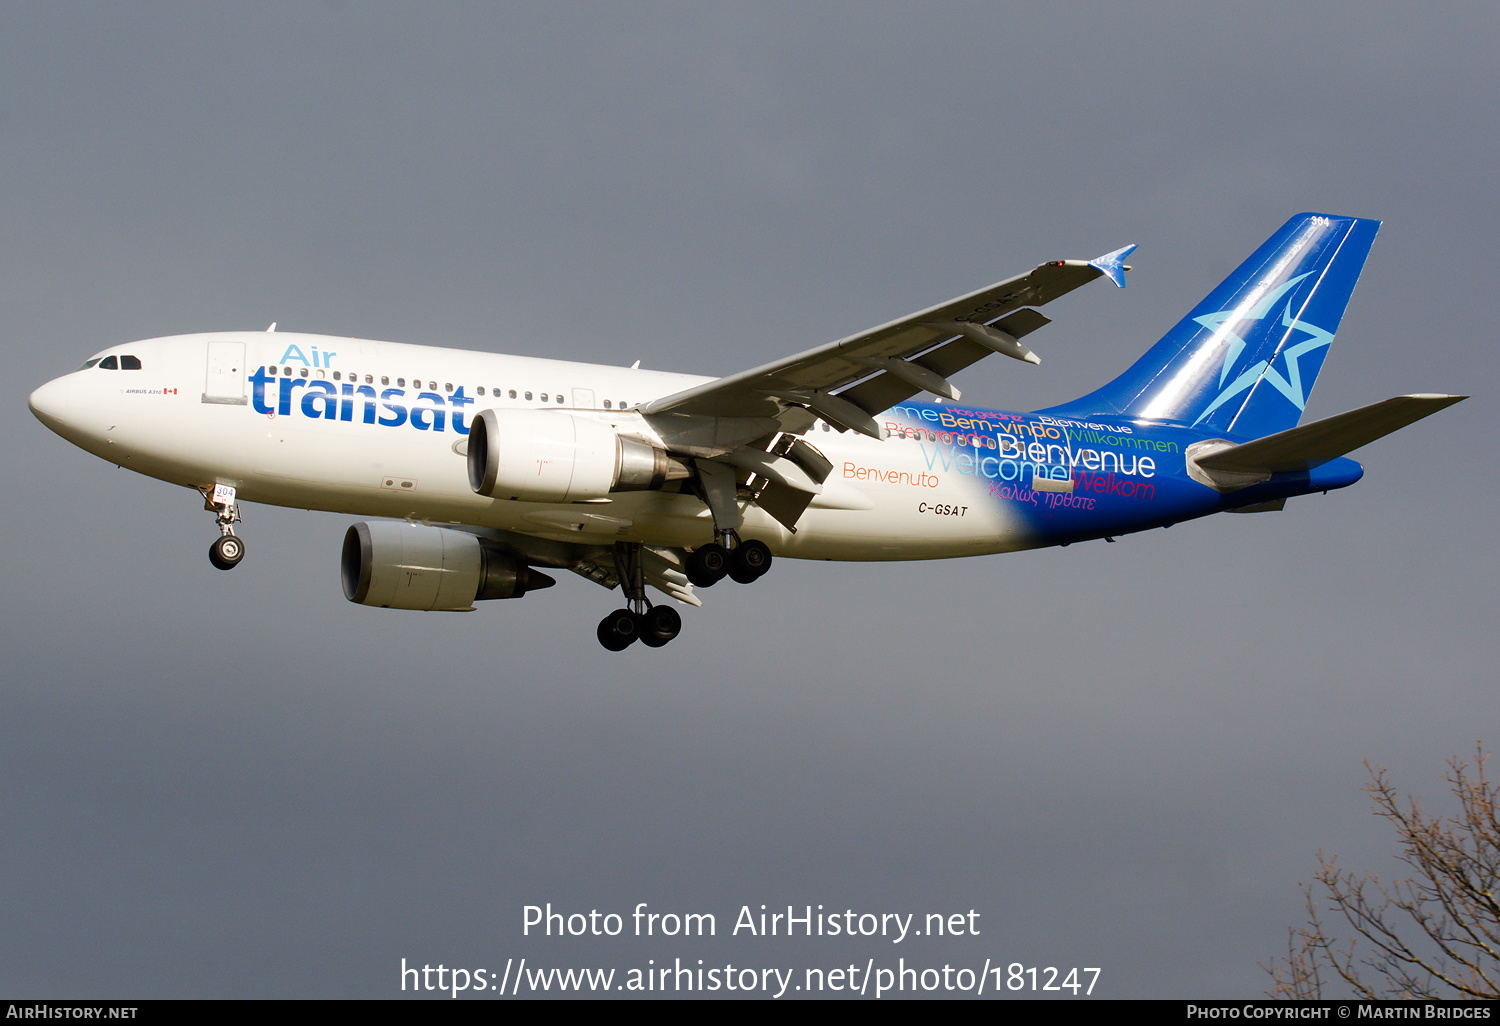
(1123, 756)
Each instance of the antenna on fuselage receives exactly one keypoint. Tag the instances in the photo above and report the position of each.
(272, 327)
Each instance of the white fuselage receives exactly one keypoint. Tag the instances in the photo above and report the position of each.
(379, 429)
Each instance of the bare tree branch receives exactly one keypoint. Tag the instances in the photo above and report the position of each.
(1435, 934)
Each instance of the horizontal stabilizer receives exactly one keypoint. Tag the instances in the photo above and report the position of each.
(1308, 446)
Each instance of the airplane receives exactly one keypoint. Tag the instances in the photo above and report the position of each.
(494, 468)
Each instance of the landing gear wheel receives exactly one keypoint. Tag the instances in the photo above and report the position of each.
(707, 565)
(661, 625)
(751, 559)
(618, 630)
(227, 552)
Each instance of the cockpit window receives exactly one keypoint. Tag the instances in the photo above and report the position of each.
(114, 363)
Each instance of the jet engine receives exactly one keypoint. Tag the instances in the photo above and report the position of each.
(549, 456)
(409, 566)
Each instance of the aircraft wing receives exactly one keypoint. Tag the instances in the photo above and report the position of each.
(844, 382)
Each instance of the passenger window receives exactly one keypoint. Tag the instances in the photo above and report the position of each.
(606, 404)
(110, 363)
(447, 386)
(559, 397)
(481, 390)
(369, 379)
(513, 393)
(400, 382)
(336, 376)
(528, 394)
(544, 397)
(130, 363)
(384, 379)
(304, 372)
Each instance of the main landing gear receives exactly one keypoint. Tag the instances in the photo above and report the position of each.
(653, 625)
(709, 564)
(727, 556)
(227, 551)
(746, 563)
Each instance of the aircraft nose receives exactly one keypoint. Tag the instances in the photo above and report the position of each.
(59, 405)
(49, 404)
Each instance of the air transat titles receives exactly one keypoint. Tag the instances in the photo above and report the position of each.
(328, 400)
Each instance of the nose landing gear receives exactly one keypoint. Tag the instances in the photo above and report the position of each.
(227, 551)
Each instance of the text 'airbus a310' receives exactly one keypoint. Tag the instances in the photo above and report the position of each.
(493, 466)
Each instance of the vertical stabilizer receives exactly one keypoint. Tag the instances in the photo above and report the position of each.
(1243, 362)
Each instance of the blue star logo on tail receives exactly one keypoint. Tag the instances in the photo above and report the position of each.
(1288, 384)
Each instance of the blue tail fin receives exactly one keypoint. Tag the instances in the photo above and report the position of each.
(1244, 360)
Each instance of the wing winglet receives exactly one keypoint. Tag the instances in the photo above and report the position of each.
(1112, 265)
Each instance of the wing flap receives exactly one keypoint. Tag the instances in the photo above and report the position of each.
(663, 569)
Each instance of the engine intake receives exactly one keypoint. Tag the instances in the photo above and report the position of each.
(410, 566)
(547, 456)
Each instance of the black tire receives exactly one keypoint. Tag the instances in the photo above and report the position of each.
(661, 624)
(618, 630)
(751, 560)
(226, 552)
(707, 565)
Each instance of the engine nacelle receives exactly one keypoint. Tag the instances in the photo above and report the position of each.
(409, 566)
(549, 456)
